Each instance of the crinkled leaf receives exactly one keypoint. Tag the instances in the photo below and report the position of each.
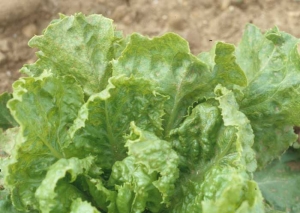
(156, 157)
(146, 177)
(104, 198)
(280, 181)
(272, 65)
(233, 117)
(171, 68)
(227, 72)
(191, 147)
(222, 183)
(195, 139)
(45, 107)
(105, 119)
(79, 206)
(79, 46)
(48, 199)
(240, 197)
(6, 119)
(222, 63)
(8, 141)
(7, 207)
(7, 145)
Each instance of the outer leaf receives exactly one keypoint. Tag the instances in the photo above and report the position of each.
(271, 63)
(280, 181)
(233, 117)
(47, 198)
(8, 141)
(6, 120)
(7, 207)
(235, 199)
(222, 63)
(167, 63)
(104, 199)
(221, 184)
(45, 108)
(150, 168)
(105, 119)
(227, 71)
(79, 46)
(156, 157)
(79, 206)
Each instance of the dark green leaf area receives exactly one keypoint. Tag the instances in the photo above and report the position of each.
(45, 107)
(271, 141)
(102, 197)
(6, 119)
(226, 70)
(7, 207)
(196, 137)
(223, 66)
(105, 119)
(279, 182)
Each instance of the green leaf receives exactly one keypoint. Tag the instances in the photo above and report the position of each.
(79, 206)
(146, 178)
(222, 63)
(7, 207)
(268, 209)
(195, 138)
(105, 119)
(8, 141)
(102, 197)
(48, 199)
(137, 124)
(272, 65)
(279, 182)
(7, 147)
(226, 70)
(6, 120)
(219, 180)
(166, 61)
(79, 46)
(45, 107)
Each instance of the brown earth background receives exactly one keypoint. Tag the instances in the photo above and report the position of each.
(201, 22)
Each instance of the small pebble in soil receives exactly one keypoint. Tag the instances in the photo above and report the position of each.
(29, 30)
(8, 73)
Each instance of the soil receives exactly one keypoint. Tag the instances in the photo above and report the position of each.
(201, 22)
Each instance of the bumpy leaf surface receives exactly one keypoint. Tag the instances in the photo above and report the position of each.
(222, 183)
(79, 46)
(133, 125)
(272, 65)
(45, 108)
(106, 116)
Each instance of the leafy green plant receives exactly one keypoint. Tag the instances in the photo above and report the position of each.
(106, 123)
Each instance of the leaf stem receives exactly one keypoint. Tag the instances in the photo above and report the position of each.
(54, 152)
